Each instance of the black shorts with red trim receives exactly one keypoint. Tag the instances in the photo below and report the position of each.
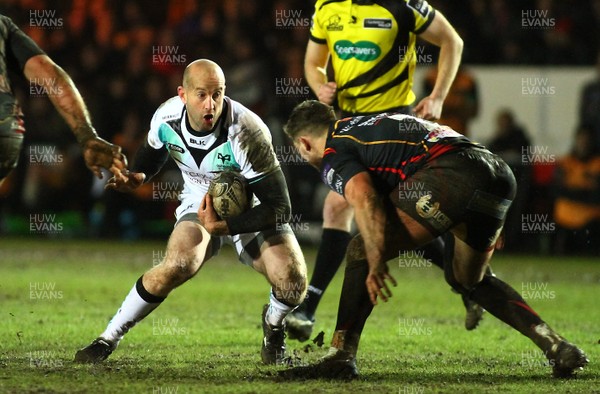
(468, 185)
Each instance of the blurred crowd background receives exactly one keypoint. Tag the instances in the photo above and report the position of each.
(127, 56)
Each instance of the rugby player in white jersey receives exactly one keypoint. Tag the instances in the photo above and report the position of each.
(205, 132)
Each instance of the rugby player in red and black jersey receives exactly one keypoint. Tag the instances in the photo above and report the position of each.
(369, 160)
(19, 53)
(371, 46)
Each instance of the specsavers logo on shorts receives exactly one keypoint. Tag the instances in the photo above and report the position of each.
(362, 50)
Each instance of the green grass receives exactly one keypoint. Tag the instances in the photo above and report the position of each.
(206, 335)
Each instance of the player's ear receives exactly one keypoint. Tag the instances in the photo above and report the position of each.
(304, 143)
(181, 94)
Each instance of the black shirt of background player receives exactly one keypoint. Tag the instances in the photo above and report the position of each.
(391, 150)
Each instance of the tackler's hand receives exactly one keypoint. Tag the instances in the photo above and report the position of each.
(376, 283)
(125, 181)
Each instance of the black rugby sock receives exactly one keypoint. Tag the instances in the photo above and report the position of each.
(355, 304)
(502, 301)
(329, 258)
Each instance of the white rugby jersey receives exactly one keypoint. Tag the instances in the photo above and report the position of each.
(240, 141)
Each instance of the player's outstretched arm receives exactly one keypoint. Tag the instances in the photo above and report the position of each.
(65, 97)
(442, 34)
(371, 220)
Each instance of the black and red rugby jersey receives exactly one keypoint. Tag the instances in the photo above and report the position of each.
(390, 146)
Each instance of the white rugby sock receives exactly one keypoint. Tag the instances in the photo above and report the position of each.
(277, 311)
(137, 305)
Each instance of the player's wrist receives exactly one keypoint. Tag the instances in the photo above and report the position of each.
(218, 228)
(84, 134)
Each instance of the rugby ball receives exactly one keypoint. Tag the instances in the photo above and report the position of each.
(230, 195)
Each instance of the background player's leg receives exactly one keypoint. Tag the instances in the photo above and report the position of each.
(337, 220)
(186, 252)
(506, 304)
(402, 233)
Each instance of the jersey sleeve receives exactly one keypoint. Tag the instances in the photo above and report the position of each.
(422, 14)
(338, 168)
(252, 149)
(317, 34)
(19, 46)
(153, 135)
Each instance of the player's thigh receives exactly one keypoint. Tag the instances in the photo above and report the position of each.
(337, 213)
(407, 233)
(468, 191)
(402, 232)
(189, 246)
(281, 259)
(468, 264)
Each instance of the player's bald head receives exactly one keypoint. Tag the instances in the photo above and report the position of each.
(202, 70)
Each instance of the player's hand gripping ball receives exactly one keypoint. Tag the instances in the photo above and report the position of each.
(230, 195)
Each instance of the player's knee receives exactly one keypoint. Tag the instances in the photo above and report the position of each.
(178, 267)
(356, 250)
(292, 290)
(453, 281)
(337, 213)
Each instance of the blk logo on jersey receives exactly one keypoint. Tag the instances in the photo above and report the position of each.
(197, 142)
